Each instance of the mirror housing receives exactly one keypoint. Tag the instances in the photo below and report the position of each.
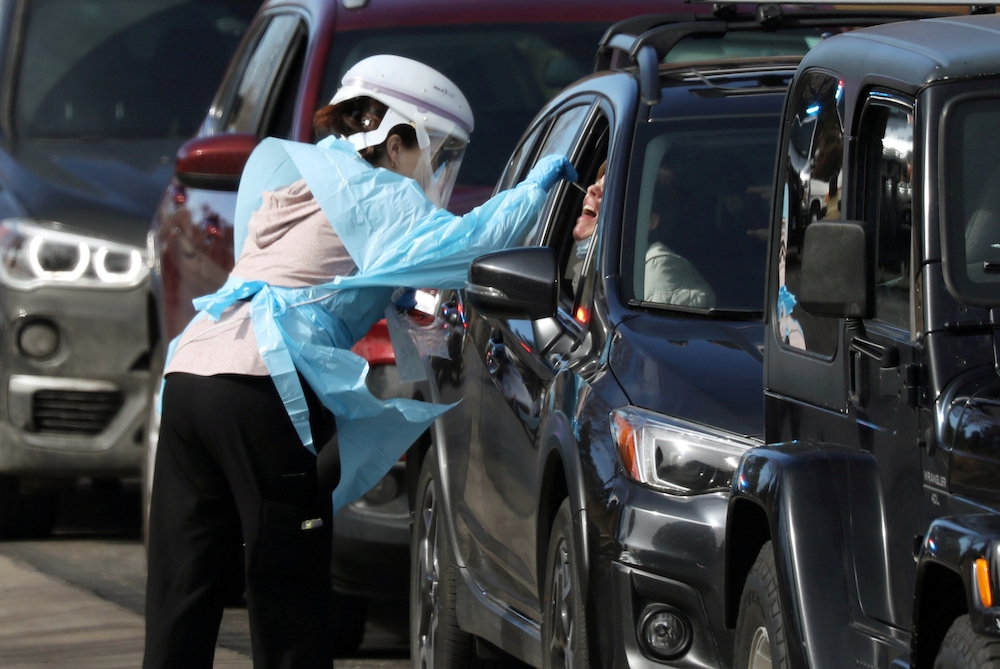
(837, 277)
(516, 283)
(216, 162)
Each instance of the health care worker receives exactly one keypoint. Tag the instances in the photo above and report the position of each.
(263, 376)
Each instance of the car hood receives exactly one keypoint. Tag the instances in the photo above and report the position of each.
(106, 188)
(705, 371)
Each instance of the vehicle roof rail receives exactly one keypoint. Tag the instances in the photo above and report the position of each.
(649, 47)
(645, 41)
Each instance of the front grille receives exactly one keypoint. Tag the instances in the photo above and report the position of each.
(74, 411)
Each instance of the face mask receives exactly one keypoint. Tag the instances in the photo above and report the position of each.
(582, 247)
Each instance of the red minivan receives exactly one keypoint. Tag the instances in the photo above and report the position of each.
(509, 57)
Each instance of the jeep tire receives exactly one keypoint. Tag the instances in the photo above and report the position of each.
(964, 649)
(760, 628)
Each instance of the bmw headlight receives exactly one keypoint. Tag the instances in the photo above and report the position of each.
(674, 455)
(33, 255)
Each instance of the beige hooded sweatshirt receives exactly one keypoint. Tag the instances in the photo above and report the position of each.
(289, 243)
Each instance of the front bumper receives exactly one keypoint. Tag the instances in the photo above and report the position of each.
(669, 556)
(82, 410)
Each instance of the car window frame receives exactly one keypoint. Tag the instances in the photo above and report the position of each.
(222, 107)
(557, 220)
(872, 128)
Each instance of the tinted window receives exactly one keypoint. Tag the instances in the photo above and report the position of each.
(700, 214)
(747, 44)
(249, 104)
(811, 172)
(890, 186)
(508, 72)
(124, 68)
(973, 198)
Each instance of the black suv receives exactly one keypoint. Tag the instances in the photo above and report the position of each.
(571, 510)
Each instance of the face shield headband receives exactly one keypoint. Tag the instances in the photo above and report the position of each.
(441, 154)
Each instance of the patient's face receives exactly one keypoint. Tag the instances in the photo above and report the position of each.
(587, 220)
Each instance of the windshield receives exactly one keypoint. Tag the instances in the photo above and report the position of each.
(747, 44)
(507, 72)
(972, 199)
(123, 68)
(699, 210)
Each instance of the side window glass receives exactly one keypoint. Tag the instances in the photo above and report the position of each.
(247, 108)
(811, 172)
(575, 221)
(280, 114)
(516, 168)
(563, 132)
(889, 172)
(560, 139)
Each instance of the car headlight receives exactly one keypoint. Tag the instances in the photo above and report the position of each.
(674, 455)
(34, 254)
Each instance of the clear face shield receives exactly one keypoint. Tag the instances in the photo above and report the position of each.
(441, 153)
(438, 168)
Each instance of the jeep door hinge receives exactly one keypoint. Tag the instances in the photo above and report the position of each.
(913, 376)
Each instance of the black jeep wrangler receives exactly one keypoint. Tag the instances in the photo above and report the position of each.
(867, 532)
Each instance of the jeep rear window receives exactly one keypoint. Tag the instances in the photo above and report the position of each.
(123, 68)
(699, 212)
(507, 72)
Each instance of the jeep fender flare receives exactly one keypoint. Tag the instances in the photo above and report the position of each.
(795, 495)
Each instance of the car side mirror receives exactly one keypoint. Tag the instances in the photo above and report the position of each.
(836, 278)
(216, 162)
(516, 283)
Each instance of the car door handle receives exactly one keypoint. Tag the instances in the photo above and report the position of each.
(495, 352)
(887, 357)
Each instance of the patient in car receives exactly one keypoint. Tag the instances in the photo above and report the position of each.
(669, 278)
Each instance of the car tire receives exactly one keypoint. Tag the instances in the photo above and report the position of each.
(962, 648)
(350, 613)
(25, 515)
(564, 621)
(436, 641)
(760, 628)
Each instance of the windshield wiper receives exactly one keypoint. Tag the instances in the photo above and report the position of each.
(721, 314)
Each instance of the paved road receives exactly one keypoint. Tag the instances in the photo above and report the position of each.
(76, 600)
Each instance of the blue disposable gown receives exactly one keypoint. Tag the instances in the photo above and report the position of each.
(396, 237)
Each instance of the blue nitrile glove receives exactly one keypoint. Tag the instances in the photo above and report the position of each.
(551, 169)
(404, 298)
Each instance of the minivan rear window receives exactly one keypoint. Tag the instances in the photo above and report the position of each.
(123, 68)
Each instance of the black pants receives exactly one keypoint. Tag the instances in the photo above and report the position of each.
(231, 474)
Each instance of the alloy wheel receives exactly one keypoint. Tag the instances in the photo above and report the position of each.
(760, 650)
(561, 643)
(430, 579)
